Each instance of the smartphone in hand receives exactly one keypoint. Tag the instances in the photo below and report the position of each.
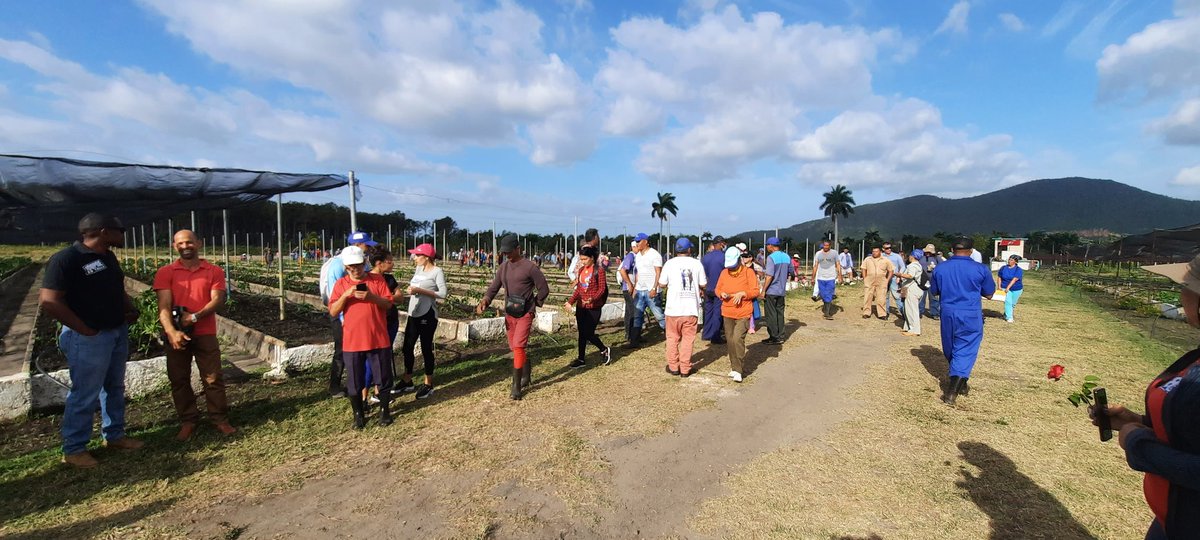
(360, 287)
(1102, 413)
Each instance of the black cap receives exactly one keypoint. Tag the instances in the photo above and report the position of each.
(962, 243)
(96, 221)
(718, 239)
(508, 243)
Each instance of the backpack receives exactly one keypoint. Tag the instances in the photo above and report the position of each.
(923, 280)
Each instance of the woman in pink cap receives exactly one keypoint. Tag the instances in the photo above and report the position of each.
(427, 285)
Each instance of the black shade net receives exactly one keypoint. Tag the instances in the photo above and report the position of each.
(43, 198)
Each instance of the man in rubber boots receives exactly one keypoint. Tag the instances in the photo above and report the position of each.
(525, 288)
(962, 284)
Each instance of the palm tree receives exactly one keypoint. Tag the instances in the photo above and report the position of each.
(872, 238)
(660, 208)
(838, 201)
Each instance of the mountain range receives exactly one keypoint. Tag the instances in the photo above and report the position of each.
(1055, 204)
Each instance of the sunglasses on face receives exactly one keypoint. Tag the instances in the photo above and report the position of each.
(747, 256)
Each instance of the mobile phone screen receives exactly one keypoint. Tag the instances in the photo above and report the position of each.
(361, 287)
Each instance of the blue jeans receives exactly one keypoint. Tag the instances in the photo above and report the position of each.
(642, 300)
(894, 295)
(1010, 300)
(97, 367)
(934, 303)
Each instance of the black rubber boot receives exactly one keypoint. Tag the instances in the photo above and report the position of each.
(827, 310)
(360, 417)
(963, 389)
(527, 374)
(516, 384)
(951, 391)
(385, 410)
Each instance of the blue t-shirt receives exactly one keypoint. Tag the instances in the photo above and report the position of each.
(1007, 274)
(778, 267)
(962, 283)
(713, 262)
(897, 261)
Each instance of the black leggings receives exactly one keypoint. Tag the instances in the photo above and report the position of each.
(588, 320)
(419, 327)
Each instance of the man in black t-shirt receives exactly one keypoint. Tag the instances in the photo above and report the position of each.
(84, 289)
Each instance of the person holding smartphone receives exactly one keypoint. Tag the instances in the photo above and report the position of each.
(362, 299)
(1164, 443)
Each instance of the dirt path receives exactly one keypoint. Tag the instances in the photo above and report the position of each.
(655, 483)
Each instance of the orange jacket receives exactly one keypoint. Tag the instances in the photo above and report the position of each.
(745, 281)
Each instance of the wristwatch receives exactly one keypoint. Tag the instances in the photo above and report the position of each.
(192, 317)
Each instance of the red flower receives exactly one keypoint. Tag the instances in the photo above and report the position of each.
(1055, 373)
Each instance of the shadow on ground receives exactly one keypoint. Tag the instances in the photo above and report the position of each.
(933, 361)
(1017, 506)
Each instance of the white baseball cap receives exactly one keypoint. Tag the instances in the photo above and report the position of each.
(352, 255)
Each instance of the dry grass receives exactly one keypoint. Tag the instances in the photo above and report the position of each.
(1014, 460)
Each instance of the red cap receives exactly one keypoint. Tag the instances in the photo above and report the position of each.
(423, 249)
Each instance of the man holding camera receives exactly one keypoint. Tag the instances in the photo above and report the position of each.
(190, 291)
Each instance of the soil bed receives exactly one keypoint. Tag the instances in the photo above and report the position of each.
(304, 324)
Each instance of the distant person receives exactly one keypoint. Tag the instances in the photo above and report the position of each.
(685, 280)
(963, 284)
(776, 274)
(1164, 443)
(796, 268)
(331, 271)
(649, 265)
(825, 273)
(627, 275)
(1011, 279)
(588, 297)
(738, 286)
(84, 290)
(846, 262)
(525, 289)
(910, 290)
(362, 300)
(876, 271)
(713, 262)
(932, 258)
(897, 261)
(591, 237)
(425, 288)
(196, 286)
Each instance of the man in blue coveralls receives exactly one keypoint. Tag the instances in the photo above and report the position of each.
(962, 284)
(713, 262)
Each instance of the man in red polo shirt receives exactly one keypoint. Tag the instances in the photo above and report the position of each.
(197, 287)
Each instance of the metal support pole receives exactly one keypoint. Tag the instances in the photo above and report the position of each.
(353, 206)
(154, 239)
(279, 259)
(225, 246)
(142, 262)
(494, 248)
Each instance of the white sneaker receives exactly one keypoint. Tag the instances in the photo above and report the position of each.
(1008, 320)
(372, 400)
(737, 377)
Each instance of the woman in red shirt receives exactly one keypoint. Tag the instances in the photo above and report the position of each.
(591, 292)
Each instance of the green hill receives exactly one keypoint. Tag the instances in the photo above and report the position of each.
(1058, 204)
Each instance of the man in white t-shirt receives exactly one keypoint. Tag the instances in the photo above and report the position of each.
(825, 274)
(648, 263)
(684, 278)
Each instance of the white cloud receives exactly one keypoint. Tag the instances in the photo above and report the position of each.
(1159, 64)
(728, 90)
(1062, 18)
(1181, 126)
(956, 21)
(1188, 177)
(423, 70)
(906, 148)
(1012, 22)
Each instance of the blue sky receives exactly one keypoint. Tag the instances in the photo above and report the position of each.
(532, 113)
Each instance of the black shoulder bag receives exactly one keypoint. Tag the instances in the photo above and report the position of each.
(514, 305)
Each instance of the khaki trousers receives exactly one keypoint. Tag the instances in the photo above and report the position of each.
(207, 353)
(735, 337)
(681, 334)
(875, 294)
